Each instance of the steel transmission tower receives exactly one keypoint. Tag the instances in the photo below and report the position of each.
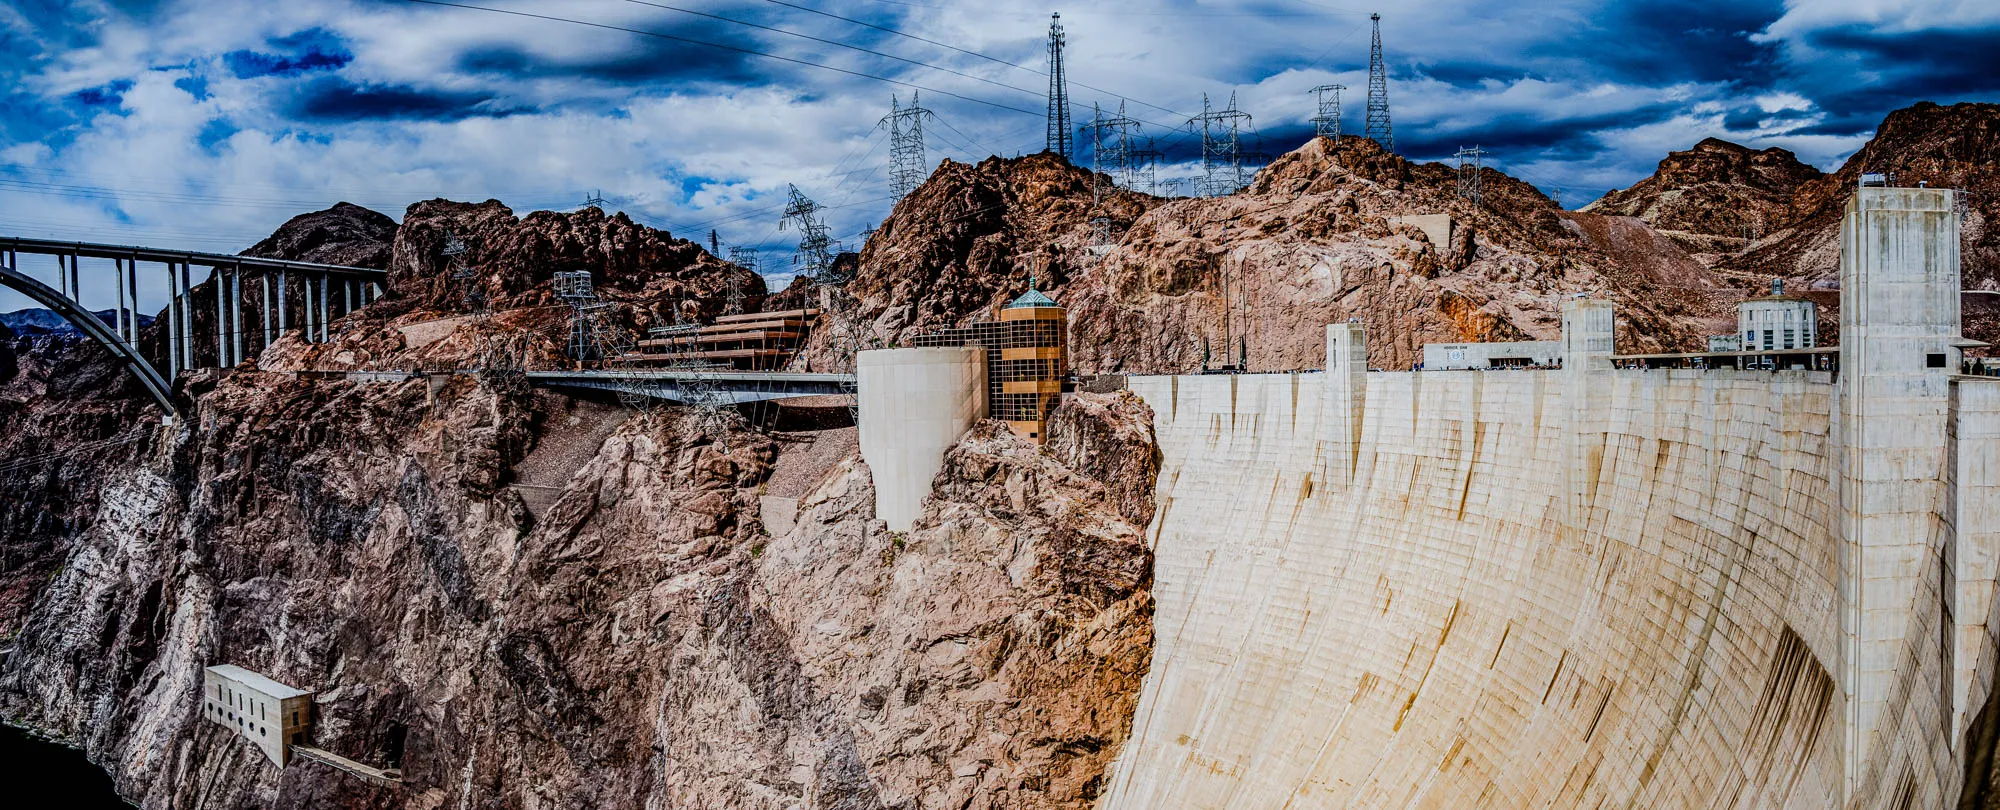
(906, 145)
(1470, 184)
(1111, 149)
(1378, 92)
(1221, 148)
(1060, 139)
(814, 257)
(1327, 123)
(746, 258)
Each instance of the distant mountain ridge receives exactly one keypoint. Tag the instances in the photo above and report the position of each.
(39, 321)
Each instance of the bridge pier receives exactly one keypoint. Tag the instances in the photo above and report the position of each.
(325, 309)
(235, 316)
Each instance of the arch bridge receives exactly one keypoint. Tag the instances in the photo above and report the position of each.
(282, 296)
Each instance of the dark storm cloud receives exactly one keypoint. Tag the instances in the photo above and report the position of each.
(665, 62)
(106, 95)
(311, 49)
(1903, 67)
(334, 100)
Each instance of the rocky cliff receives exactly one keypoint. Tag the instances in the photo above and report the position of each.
(1715, 197)
(1326, 233)
(638, 639)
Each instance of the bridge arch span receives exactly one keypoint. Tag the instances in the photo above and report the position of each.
(60, 304)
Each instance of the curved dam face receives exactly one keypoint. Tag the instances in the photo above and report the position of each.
(1499, 596)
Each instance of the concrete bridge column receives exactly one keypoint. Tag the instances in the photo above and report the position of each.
(221, 316)
(264, 306)
(118, 315)
(1899, 268)
(325, 309)
(173, 323)
(235, 315)
(284, 321)
(131, 282)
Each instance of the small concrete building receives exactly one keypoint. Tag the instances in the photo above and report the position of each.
(269, 714)
(1515, 354)
(1777, 322)
(1725, 343)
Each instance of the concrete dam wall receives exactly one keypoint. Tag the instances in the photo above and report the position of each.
(1598, 586)
(1587, 587)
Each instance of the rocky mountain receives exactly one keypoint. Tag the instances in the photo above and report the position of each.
(346, 234)
(640, 638)
(1702, 198)
(1715, 197)
(1326, 233)
(37, 321)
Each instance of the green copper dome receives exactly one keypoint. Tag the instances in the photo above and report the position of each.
(1032, 298)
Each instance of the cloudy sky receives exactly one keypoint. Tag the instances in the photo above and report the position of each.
(204, 124)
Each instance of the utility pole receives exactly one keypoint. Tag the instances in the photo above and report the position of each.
(714, 243)
(1470, 181)
(1327, 123)
(1378, 92)
(1059, 133)
(815, 254)
(906, 145)
(1221, 148)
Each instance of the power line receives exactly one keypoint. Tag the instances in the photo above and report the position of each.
(834, 43)
(995, 60)
(730, 48)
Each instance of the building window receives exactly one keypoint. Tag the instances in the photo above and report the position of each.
(1934, 361)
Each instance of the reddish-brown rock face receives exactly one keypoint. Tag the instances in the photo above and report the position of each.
(1322, 236)
(1716, 189)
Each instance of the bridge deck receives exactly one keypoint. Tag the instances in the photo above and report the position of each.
(95, 250)
(368, 773)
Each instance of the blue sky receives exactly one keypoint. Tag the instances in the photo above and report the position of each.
(206, 123)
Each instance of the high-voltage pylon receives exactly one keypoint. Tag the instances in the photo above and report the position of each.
(906, 145)
(1145, 169)
(593, 338)
(1327, 123)
(1378, 92)
(1111, 149)
(1470, 183)
(1221, 148)
(746, 258)
(814, 258)
(1059, 133)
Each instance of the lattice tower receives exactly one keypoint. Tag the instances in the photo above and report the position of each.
(1327, 123)
(1060, 140)
(1221, 148)
(1378, 92)
(1471, 183)
(906, 145)
(814, 257)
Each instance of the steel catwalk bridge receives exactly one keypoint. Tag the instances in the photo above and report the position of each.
(737, 387)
